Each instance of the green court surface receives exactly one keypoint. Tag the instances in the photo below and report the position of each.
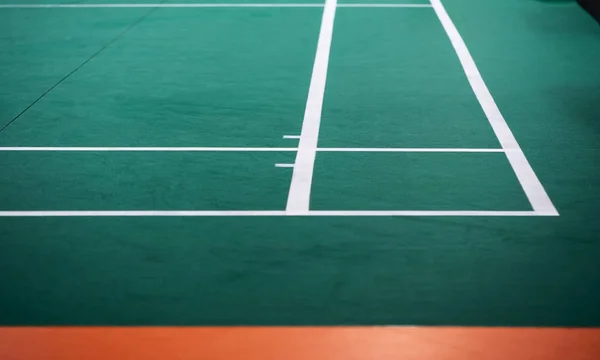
(439, 181)
(142, 180)
(149, 156)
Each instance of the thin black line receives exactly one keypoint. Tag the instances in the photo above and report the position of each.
(134, 24)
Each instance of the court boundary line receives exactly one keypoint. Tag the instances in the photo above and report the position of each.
(533, 188)
(298, 199)
(205, 5)
(239, 149)
(247, 213)
(415, 6)
(412, 150)
(143, 149)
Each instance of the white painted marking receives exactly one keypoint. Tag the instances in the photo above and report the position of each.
(247, 149)
(539, 199)
(427, 213)
(284, 165)
(436, 150)
(291, 136)
(205, 5)
(385, 5)
(299, 195)
(139, 213)
(190, 5)
(234, 149)
(264, 213)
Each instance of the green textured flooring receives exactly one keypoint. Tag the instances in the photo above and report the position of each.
(239, 77)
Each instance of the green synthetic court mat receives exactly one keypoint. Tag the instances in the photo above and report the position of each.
(364, 104)
(193, 118)
(440, 181)
(117, 100)
(141, 180)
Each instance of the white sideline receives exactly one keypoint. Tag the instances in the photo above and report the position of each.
(535, 192)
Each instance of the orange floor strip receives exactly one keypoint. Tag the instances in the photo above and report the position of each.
(288, 343)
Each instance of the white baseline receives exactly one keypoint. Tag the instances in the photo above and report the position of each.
(234, 149)
(165, 213)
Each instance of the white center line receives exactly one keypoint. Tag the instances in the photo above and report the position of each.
(299, 195)
(284, 165)
(291, 136)
(539, 199)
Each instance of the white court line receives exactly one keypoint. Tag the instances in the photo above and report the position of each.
(190, 5)
(426, 213)
(385, 5)
(299, 195)
(244, 149)
(284, 165)
(539, 199)
(204, 5)
(291, 136)
(138, 213)
(265, 213)
(216, 149)
(435, 150)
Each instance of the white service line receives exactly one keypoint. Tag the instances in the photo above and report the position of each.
(425, 213)
(205, 5)
(385, 5)
(106, 213)
(537, 196)
(299, 194)
(215, 149)
(94, 213)
(190, 5)
(435, 150)
(244, 149)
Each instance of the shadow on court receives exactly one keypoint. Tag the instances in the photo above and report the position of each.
(555, 1)
(591, 6)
